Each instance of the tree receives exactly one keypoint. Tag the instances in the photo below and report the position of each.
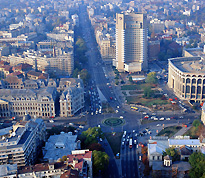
(95, 146)
(148, 92)
(64, 158)
(144, 150)
(197, 162)
(151, 78)
(196, 123)
(173, 153)
(130, 79)
(100, 161)
(90, 136)
(84, 75)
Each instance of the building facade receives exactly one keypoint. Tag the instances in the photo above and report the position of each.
(131, 42)
(39, 103)
(20, 143)
(187, 78)
(72, 98)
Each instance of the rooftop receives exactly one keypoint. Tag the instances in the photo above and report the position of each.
(59, 146)
(195, 65)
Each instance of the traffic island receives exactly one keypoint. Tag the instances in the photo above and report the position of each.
(114, 141)
(113, 122)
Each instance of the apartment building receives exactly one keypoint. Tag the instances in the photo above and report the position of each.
(131, 42)
(39, 103)
(56, 62)
(20, 143)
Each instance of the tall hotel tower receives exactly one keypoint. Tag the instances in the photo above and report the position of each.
(131, 42)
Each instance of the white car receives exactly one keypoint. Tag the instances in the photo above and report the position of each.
(155, 119)
(152, 117)
(121, 117)
(81, 126)
(116, 111)
(91, 113)
(123, 143)
(133, 131)
(168, 119)
(100, 139)
(144, 113)
(159, 125)
(51, 121)
(161, 119)
(118, 107)
(135, 142)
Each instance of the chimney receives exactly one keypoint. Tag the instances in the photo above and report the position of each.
(51, 166)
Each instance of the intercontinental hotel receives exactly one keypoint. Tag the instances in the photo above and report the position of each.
(187, 76)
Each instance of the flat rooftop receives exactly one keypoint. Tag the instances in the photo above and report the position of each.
(195, 65)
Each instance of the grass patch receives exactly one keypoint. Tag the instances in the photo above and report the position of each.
(145, 121)
(106, 108)
(169, 131)
(145, 102)
(129, 87)
(135, 92)
(114, 141)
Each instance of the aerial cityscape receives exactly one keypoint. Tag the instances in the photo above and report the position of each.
(102, 89)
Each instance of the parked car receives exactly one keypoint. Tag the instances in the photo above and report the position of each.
(161, 119)
(159, 125)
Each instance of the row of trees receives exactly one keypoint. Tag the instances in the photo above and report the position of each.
(80, 58)
(151, 80)
(89, 140)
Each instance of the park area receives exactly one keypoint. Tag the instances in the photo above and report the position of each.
(169, 131)
(114, 141)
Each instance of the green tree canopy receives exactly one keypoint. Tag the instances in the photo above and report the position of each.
(91, 136)
(148, 92)
(84, 75)
(100, 161)
(173, 153)
(151, 78)
(130, 79)
(197, 162)
(196, 123)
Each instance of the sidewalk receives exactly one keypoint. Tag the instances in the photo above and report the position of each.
(181, 131)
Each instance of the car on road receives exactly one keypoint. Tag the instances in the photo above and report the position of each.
(161, 119)
(159, 125)
(51, 121)
(168, 119)
(181, 117)
(121, 117)
(133, 131)
(101, 140)
(156, 119)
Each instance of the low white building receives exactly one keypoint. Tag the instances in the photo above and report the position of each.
(61, 145)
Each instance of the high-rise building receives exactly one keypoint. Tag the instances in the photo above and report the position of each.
(131, 42)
